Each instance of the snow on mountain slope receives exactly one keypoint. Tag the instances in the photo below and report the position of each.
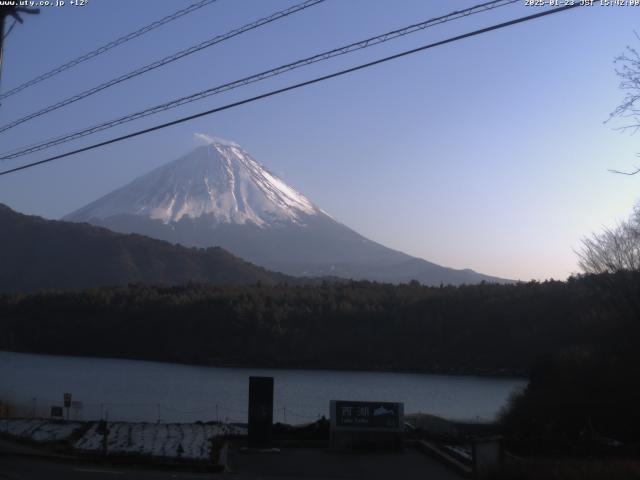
(218, 195)
(219, 180)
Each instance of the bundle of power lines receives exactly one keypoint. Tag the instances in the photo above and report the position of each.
(241, 82)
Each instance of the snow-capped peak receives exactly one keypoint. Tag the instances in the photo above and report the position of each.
(210, 140)
(219, 180)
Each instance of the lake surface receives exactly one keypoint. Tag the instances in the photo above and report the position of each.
(132, 390)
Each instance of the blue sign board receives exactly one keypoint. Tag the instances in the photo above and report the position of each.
(357, 415)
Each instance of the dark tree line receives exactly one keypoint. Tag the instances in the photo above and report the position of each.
(486, 328)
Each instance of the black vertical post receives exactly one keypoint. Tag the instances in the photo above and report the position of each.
(67, 403)
(13, 11)
(260, 411)
(3, 14)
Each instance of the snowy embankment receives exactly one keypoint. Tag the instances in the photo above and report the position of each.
(186, 440)
(193, 441)
(39, 430)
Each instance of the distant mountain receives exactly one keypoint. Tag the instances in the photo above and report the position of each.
(218, 195)
(46, 254)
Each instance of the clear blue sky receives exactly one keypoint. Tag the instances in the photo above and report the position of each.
(490, 153)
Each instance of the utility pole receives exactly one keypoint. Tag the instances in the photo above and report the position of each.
(67, 403)
(11, 11)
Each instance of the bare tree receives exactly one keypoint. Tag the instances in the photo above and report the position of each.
(614, 250)
(615, 254)
(628, 70)
(618, 249)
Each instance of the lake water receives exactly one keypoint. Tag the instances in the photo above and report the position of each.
(149, 391)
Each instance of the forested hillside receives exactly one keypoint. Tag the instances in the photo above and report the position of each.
(42, 254)
(486, 328)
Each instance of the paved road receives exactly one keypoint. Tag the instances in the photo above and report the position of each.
(26, 468)
(320, 464)
(289, 464)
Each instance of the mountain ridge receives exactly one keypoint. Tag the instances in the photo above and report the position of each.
(37, 254)
(218, 195)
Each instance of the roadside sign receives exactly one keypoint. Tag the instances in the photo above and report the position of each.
(76, 405)
(67, 400)
(366, 425)
(56, 412)
(381, 416)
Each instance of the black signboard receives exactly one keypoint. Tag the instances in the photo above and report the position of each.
(56, 411)
(367, 415)
(260, 411)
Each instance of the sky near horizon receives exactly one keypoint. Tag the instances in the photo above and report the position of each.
(490, 153)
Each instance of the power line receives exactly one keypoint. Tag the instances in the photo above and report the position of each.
(258, 77)
(297, 85)
(164, 61)
(107, 47)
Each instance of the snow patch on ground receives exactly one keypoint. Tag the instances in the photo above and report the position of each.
(462, 452)
(186, 440)
(39, 430)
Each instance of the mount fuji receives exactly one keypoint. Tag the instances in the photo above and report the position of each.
(218, 195)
